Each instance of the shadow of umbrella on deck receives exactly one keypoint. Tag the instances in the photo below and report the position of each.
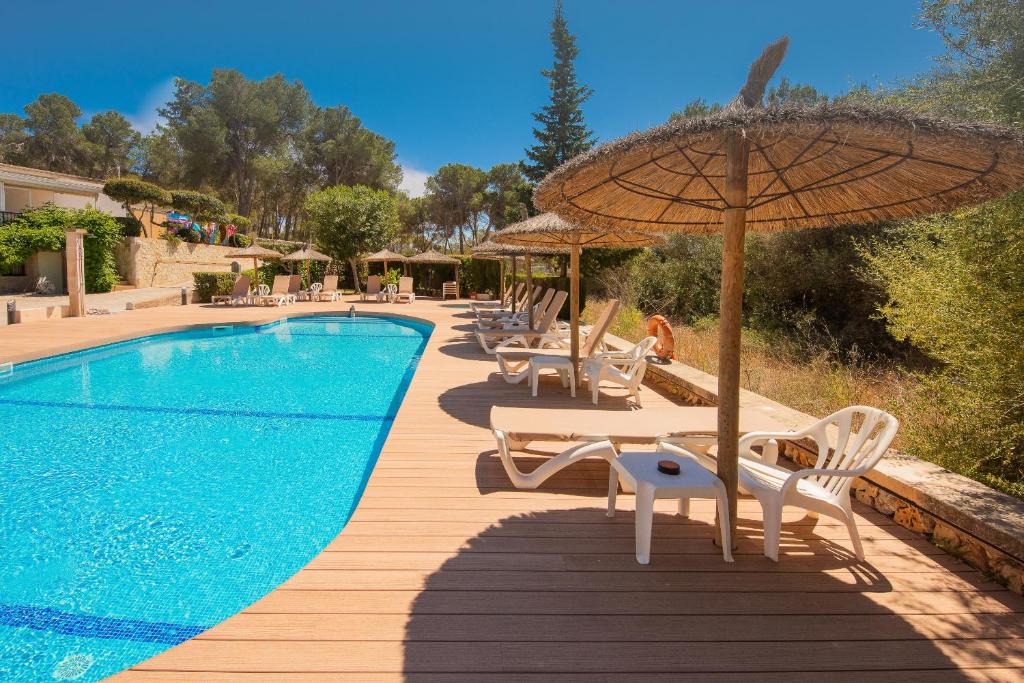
(559, 593)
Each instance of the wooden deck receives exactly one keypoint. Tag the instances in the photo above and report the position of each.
(445, 572)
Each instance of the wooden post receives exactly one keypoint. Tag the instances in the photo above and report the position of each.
(513, 284)
(528, 264)
(574, 308)
(74, 256)
(501, 278)
(731, 317)
(458, 283)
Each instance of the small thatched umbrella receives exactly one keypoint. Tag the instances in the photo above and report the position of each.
(256, 253)
(548, 229)
(779, 168)
(500, 251)
(432, 256)
(307, 254)
(384, 255)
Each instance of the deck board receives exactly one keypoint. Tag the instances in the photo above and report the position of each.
(445, 572)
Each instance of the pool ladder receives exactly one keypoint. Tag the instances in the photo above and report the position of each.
(352, 311)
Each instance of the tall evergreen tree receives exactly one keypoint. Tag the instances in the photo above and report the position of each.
(562, 133)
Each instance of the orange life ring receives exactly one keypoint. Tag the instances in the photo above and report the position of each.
(657, 326)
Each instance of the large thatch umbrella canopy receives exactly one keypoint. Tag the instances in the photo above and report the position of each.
(384, 255)
(551, 230)
(777, 169)
(256, 253)
(807, 167)
(433, 257)
(306, 254)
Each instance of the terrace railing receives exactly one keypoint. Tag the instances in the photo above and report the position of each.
(8, 216)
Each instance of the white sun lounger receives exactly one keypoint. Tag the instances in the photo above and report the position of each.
(491, 339)
(239, 293)
(597, 431)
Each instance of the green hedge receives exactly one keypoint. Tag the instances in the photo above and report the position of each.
(209, 285)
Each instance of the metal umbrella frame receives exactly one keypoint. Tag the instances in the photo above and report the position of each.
(549, 229)
(779, 168)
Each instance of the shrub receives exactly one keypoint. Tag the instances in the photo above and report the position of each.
(956, 283)
(208, 285)
(130, 226)
(42, 229)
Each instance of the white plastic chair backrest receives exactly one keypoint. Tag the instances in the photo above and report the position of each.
(550, 315)
(405, 285)
(241, 287)
(330, 283)
(263, 290)
(281, 283)
(601, 325)
(316, 287)
(852, 451)
(373, 284)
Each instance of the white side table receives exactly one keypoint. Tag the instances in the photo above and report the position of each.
(561, 364)
(639, 471)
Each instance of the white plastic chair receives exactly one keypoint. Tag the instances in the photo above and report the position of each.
(626, 368)
(313, 294)
(822, 489)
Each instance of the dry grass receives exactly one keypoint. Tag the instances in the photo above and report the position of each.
(811, 380)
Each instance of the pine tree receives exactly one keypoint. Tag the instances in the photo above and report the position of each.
(562, 133)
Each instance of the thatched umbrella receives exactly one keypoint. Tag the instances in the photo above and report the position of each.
(432, 256)
(500, 251)
(256, 253)
(779, 168)
(548, 229)
(384, 255)
(307, 254)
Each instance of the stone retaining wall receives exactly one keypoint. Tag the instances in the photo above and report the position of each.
(158, 263)
(981, 526)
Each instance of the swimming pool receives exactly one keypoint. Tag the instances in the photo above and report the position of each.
(152, 488)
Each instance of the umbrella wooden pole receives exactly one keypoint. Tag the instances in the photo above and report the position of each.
(731, 318)
(574, 309)
(501, 280)
(513, 284)
(528, 265)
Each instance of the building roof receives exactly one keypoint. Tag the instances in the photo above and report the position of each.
(49, 180)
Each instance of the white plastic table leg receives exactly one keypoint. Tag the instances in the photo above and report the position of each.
(644, 521)
(684, 507)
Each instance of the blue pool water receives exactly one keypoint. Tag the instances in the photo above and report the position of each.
(150, 489)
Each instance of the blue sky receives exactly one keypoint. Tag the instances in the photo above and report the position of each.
(452, 80)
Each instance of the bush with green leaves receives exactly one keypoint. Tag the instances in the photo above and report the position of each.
(209, 285)
(42, 229)
(130, 226)
(955, 284)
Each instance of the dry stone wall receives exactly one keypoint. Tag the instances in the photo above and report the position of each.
(146, 262)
